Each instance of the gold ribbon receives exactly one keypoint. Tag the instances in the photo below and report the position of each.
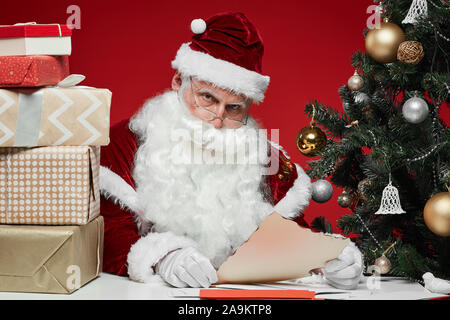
(311, 124)
(352, 124)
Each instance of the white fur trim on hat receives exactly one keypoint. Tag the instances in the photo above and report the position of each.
(297, 198)
(148, 250)
(222, 73)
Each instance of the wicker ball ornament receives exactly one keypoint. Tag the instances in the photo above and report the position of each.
(410, 52)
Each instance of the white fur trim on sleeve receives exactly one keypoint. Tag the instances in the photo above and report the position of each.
(114, 188)
(221, 73)
(280, 148)
(148, 250)
(297, 198)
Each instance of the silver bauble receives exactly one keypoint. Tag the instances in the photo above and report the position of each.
(362, 98)
(415, 110)
(346, 107)
(322, 191)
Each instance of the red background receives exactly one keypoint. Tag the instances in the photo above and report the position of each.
(127, 46)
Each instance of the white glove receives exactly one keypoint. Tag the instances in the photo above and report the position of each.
(345, 271)
(187, 268)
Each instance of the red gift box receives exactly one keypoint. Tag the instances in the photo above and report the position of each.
(35, 39)
(33, 71)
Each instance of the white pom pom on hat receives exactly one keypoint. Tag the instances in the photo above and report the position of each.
(198, 26)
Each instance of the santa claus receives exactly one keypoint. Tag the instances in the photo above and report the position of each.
(189, 178)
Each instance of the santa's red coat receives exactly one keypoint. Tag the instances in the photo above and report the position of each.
(121, 230)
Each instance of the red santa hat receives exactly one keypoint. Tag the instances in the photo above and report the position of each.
(227, 51)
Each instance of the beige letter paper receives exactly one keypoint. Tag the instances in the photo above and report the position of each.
(279, 250)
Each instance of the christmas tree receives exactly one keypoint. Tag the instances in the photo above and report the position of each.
(388, 148)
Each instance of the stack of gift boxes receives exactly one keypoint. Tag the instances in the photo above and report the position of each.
(51, 130)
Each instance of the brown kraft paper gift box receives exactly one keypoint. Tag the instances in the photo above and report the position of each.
(50, 259)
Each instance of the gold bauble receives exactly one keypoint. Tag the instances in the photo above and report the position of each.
(345, 199)
(362, 188)
(382, 43)
(437, 214)
(410, 52)
(311, 140)
(383, 264)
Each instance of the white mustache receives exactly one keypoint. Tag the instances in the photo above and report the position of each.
(204, 135)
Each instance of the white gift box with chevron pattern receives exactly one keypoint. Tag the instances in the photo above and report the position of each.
(54, 116)
(49, 185)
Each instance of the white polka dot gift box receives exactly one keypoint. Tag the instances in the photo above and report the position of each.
(49, 185)
(54, 116)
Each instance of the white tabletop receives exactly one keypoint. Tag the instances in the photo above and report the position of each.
(111, 287)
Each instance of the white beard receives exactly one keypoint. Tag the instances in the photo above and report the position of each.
(217, 205)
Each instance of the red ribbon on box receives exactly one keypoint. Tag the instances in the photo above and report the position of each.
(35, 30)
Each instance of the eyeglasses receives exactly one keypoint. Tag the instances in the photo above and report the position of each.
(235, 115)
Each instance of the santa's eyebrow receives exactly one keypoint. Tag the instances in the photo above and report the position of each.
(213, 94)
(240, 103)
(209, 91)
